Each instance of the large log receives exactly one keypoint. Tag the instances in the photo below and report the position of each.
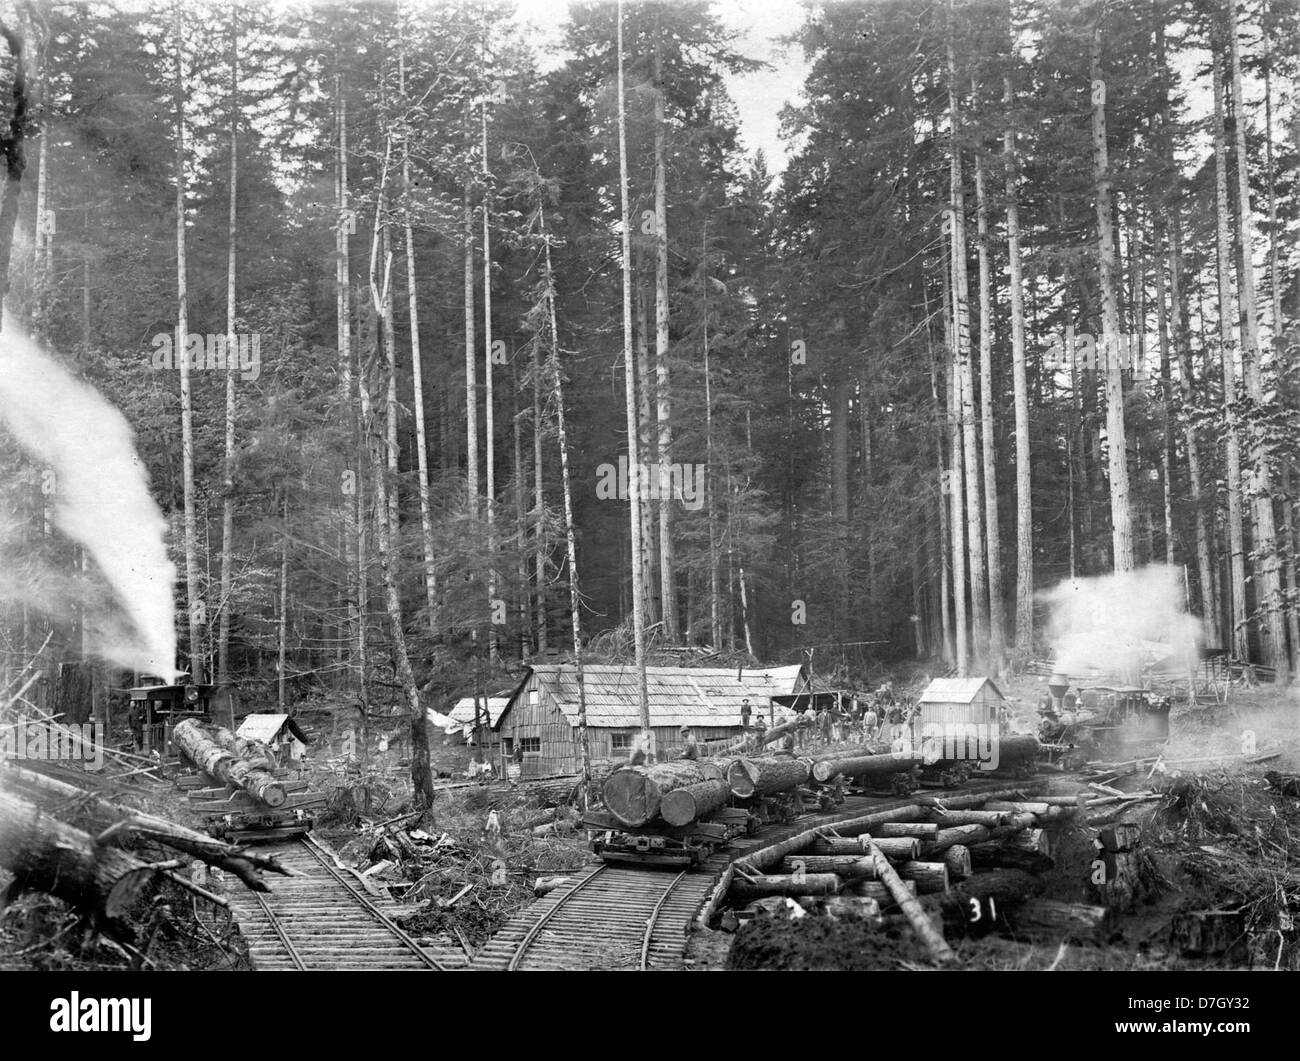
(760, 776)
(777, 732)
(894, 847)
(921, 830)
(912, 910)
(930, 877)
(859, 766)
(990, 818)
(746, 889)
(43, 854)
(957, 860)
(210, 757)
(1016, 748)
(1029, 850)
(684, 805)
(981, 903)
(874, 889)
(633, 794)
(83, 810)
(958, 834)
(1015, 807)
(847, 866)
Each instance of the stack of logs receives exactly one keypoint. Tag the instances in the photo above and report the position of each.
(965, 859)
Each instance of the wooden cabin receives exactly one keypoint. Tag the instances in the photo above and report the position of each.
(278, 731)
(490, 710)
(960, 700)
(541, 717)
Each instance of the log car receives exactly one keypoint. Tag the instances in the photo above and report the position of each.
(660, 844)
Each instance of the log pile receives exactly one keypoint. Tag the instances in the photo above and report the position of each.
(952, 857)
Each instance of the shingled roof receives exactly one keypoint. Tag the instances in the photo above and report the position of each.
(957, 690)
(679, 696)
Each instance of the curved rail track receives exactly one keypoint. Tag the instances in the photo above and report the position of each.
(323, 918)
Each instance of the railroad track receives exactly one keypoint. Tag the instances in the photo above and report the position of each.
(323, 918)
(630, 918)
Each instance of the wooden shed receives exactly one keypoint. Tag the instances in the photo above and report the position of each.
(960, 700)
(541, 719)
(277, 730)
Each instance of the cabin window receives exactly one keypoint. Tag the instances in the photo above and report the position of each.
(620, 742)
(509, 743)
(532, 697)
(531, 744)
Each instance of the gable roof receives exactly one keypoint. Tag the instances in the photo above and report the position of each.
(266, 726)
(463, 711)
(679, 696)
(957, 690)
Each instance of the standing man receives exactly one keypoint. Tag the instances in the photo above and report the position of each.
(869, 724)
(745, 713)
(690, 749)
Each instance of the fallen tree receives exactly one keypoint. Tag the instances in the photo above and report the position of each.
(684, 805)
(83, 810)
(45, 855)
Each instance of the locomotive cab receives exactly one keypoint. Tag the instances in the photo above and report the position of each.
(156, 709)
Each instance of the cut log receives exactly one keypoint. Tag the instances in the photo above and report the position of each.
(862, 766)
(931, 877)
(912, 909)
(1054, 921)
(990, 818)
(839, 845)
(761, 776)
(981, 903)
(1122, 836)
(1017, 807)
(684, 805)
(847, 866)
(43, 854)
(957, 860)
(874, 889)
(894, 847)
(921, 830)
(633, 794)
(1017, 748)
(1029, 850)
(746, 889)
(1016, 823)
(777, 732)
(1080, 799)
(85, 811)
(958, 834)
(210, 757)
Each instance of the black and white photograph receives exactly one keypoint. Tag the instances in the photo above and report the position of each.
(649, 485)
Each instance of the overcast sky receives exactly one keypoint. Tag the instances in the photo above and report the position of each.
(758, 96)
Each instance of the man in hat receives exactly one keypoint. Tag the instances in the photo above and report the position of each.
(690, 750)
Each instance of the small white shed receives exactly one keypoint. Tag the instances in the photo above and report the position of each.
(277, 730)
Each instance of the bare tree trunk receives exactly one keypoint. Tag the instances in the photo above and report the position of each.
(1279, 328)
(539, 501)
(489, 424)
(282, 632)
(43, 243)
(471, 360)
(344, 225)
(664, 408)
(1227, 352)
(417, 375)
(570, 537)
(997, 610)
(1116, 439)
(1269, 592)
(715, 620)
(228, 467)
(193, 592)
(976, 557)
(954, 479)
(421, 774)
(1024, 486)
(648, 442)
(13, 147)
(629, 371)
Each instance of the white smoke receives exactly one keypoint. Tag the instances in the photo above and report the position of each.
(1123, 624)
(101, 501)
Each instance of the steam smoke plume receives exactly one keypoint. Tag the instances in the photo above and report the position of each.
(101, 501)
(1123, 623)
